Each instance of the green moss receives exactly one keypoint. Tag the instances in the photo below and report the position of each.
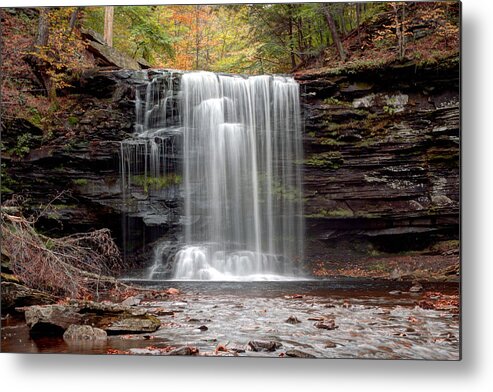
(379, 266)
(35, 117)
(5, 180)
(337, 102)
(73, 120)
(328, 142)
(445, 158)
(335, 213)
(328, 160)
(156, 182)
(80, 181)
(22, 147)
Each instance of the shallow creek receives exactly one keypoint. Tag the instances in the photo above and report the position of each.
(368, 322)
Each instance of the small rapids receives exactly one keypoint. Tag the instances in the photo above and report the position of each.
(368, 322)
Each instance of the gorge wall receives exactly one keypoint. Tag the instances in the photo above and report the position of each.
(381, 167)
(381, 162)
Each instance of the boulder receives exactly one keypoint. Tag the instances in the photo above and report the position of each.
(299, 354)
(257, 345)
(16, 295)
(186, 350)
(51, 319)
(84, 332)
(132, 324)
(110, 317)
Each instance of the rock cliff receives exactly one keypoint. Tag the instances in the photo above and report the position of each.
(381, 161)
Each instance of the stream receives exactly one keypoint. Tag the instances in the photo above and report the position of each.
(277, 319)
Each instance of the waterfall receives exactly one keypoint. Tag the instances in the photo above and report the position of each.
(150, 175)
(242, 180)
(147, 159)
(240, 174)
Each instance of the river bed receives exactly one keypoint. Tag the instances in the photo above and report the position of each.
(350, 318)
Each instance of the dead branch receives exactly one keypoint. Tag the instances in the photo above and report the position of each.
(74, 265)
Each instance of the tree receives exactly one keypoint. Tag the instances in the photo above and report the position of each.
(333, 30)
(55, 53)
(108, 24)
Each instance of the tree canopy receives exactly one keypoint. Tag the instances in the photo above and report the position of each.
(259, 38)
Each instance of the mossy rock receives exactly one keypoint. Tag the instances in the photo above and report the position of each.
(328, 160)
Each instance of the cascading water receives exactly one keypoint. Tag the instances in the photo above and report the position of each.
(150, 173)
(242, 180)
(241, 174)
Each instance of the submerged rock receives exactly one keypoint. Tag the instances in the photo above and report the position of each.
(292, 320)
(84, 332)
(258, 345)
(299, 354)
(186, 350)
(327, 324)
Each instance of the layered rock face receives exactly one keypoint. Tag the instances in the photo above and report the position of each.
(78, 170)
(381, 162)
(381, 165)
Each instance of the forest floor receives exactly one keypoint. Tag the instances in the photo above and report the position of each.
(424, 268)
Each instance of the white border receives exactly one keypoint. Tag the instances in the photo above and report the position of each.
(473, 373)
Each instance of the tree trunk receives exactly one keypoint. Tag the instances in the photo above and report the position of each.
(197, 37)
(38, 65)
(109, 13)
(403, 32)
(358, 14)
(333, 30)
(43, 28)
(73, 20)
(291, 43)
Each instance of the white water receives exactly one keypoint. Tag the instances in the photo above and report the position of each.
(242, 184)
(241, 178)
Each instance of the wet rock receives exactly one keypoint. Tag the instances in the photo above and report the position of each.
(330, 344)
(84, 332)
(51, 319)
(131, 301)
(113, 318)
(186, 350)
(237, 349)
(172, 291)
(416, 288)
(133, 324)
(258, 345)
(196, 320)
(292, 320)
(299, 354)
(16, 295)
(327, 324)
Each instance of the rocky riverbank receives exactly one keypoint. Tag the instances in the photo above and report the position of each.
(309, 319)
